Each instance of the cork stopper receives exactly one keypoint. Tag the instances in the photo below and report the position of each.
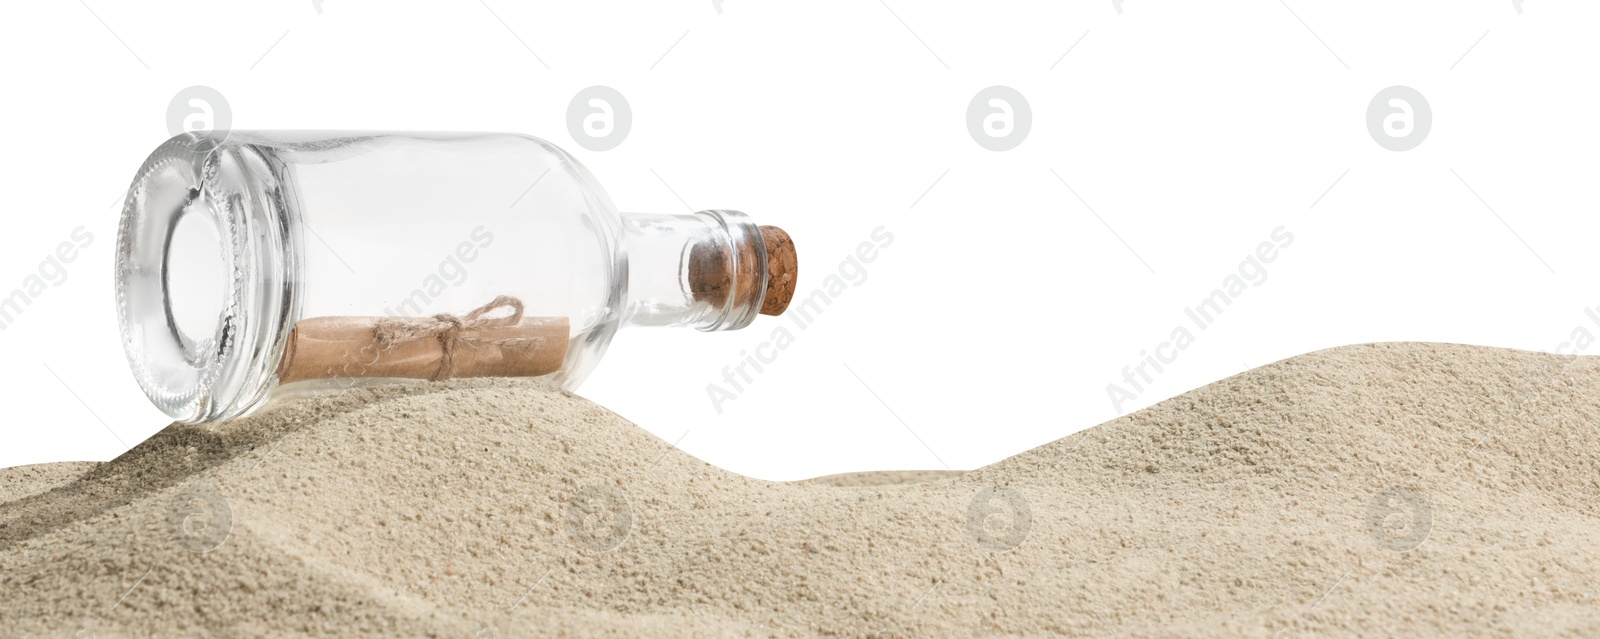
(783, 270)
(713, 273)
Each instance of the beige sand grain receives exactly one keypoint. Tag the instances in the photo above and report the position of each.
(1284, 501)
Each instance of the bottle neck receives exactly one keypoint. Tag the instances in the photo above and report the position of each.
(705, 270)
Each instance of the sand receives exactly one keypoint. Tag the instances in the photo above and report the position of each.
(1377, 490)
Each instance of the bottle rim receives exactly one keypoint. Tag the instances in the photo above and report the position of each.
(747, 254)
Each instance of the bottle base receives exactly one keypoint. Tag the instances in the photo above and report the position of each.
(200, 295)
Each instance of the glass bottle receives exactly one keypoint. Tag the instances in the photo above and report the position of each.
(250, 260)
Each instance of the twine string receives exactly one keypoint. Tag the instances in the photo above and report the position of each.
(448, 329)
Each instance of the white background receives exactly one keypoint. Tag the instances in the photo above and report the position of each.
(1005, 304)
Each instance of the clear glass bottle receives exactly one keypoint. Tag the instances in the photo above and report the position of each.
(250, 259)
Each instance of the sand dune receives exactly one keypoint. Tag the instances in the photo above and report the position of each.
(1374, 490)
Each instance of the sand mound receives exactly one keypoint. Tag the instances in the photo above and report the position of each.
(1373, 490)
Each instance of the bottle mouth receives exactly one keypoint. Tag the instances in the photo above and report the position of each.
(200, 279)
(742, 259)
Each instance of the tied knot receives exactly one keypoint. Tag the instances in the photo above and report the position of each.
(448, 329)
